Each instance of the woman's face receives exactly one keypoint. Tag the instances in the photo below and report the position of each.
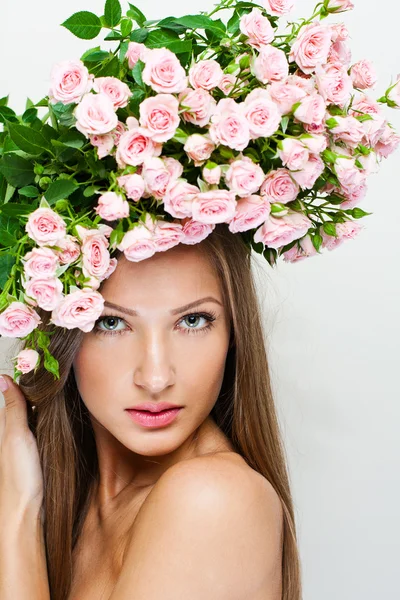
(159, 355)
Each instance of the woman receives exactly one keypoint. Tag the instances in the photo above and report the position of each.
(196, 505)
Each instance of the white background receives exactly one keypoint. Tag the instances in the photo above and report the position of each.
(332, 322)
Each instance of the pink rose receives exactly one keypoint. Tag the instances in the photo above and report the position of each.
(229, 125)
(388, 142)
(104, 143)
(278, 7)
(363, 75)
(311, 47)
(18, 320)
(27, 360)
(277, 232)
(159, 114)
(338, 6)
(349, 175)
(354, 196)
(80, 309)
(340, 33)
(69, 81)
(340, 53)
(244, 177)
(95, 115)
(95, 256)
(118, 91)
(111, 268)
(293, 154)
(198, 106)
(205, 74)
(215, 206)
(69, 249)
(303, 249)
(251, 212)
(195, 232)
(345, 231)
(163, 72)
(334, 84)
(135, 146)
(311, 110)
(179, 198)
(102, 230)
(173, 165)
(212, 175)
(40, 262)
(156, 177)
(167, 235)
(133, 185)
(348, 129)
(47, 293)
(134, 53)
(285, 95)
(307, 177)
(315, 143)
(118, 131)
(199, 148)
(112, 206)
(256, 28)
(394, 93)
(227, 83)
(278, 186)
(270, 65)
(137, 243)
(45, 227)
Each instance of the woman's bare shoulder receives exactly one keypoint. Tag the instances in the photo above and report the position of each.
(210, 514)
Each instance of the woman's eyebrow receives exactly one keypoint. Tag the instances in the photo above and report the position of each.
(174, 311)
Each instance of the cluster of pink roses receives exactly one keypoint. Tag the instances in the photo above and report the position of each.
(325, 97)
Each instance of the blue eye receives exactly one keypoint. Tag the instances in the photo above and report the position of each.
(113, 322)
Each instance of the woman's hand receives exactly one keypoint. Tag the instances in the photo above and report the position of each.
(21, 477)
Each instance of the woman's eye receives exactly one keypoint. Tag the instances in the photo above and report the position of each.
(111, 322)
(109, 325)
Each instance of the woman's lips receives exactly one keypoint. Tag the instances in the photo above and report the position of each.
(151, 419)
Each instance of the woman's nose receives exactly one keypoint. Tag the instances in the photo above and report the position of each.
(154, 370)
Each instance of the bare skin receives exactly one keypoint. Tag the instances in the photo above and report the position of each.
(156, 357)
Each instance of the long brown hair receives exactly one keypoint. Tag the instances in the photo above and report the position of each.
(244, 411)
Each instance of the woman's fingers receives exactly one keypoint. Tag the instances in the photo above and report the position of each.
(16, 413)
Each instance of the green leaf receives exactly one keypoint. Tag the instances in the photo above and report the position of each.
(29, 115)
(60, 189)
(139, 35)
(161, 39)
(137, 73)
(123, 50)
(284, 123)
(112, 13)
(233, 24)
(30, 191)
(136, 14)
(358, 213)
(180, 46)
(317, 241)
(9, 193)
(17, 210)
(27, 139)
(51, 364)
(83, 24)
(17, 170)
(7, 114)
(96, 56)
(7, 239)
(201, 22)
(331, 123)
(329, 228)
(73, 139)
(108, 68)
(6, 264)
(113, 35)
(4, 100)
(126, 27)
(170, 23)
(180, 136)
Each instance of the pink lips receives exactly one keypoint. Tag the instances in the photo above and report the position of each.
(154, 419)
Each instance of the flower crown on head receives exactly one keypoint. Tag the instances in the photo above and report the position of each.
(189, 122)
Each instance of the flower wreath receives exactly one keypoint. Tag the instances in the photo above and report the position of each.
(188, 122)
